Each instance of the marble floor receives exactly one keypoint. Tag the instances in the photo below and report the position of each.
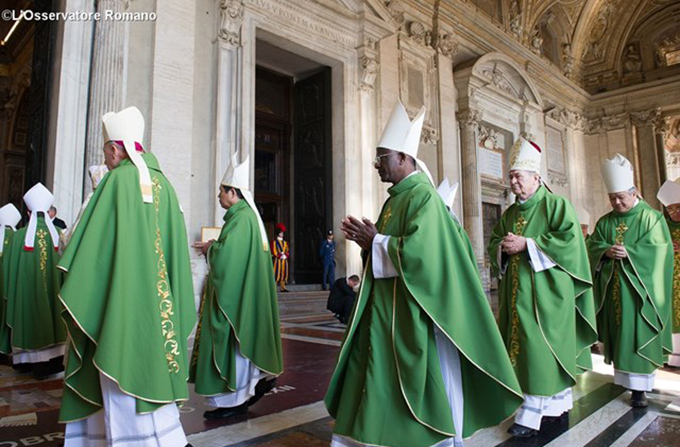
(293, 414)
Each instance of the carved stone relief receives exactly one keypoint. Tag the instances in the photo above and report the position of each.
(595, 48)
(536, 41)
(231, 12)
(369, 71)
(429, 135)
(567, 61)
(516, 19)
(447, 45)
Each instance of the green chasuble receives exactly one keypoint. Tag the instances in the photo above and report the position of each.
(239, 309)
(387, 388)
(633, 295)
(128, 295)
(547, 318)
(674, 228)
(33, 281)
(5, 345)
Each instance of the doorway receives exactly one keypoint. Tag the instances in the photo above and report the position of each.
(293, 154)
(26, 54)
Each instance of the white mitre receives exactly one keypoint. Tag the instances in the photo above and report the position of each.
(669, 193)
(9, 217)
(238, 176)
(39, 200)
(447, 192)
(403, 135)
(128, 126)
(525, 155)
(618, 174)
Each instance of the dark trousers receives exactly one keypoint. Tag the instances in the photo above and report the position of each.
(328, 273)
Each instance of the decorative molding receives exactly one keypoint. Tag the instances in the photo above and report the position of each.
(231, 12)
(420, 33)
(568, 118)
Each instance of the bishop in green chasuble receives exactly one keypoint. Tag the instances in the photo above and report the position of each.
(422, 361)
(129, 301)
(9, 219)
(37, 333)
(546, 311)
(631, 255)
(669, 195)
(237, 353)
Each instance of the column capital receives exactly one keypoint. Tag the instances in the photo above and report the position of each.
(470, 116)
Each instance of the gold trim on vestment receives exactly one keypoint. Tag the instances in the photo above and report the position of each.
(675, 236)
(165, 305)
(514, 347)
(42, 243)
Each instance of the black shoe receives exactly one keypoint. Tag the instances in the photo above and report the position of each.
(520, 431)
(638, 399)
(225, 413)
(263, 387)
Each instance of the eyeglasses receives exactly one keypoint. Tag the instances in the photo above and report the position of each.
(376, 160)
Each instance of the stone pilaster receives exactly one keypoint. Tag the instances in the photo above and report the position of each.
(368, 73)
(229, 115)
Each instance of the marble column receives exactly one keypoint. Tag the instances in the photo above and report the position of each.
(472, 187)
(107, 79)
(229, 114)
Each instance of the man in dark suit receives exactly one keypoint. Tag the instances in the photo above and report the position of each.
(341, 297)
(55, 220)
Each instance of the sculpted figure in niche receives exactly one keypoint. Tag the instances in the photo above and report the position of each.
(631, 60)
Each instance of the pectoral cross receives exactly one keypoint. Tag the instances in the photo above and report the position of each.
(519, 226)
(620, 231)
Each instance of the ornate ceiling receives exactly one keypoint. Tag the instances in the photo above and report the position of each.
(601, 44)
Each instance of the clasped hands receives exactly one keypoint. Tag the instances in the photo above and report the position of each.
(617, 252)
(513, 244)
(360, 231)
